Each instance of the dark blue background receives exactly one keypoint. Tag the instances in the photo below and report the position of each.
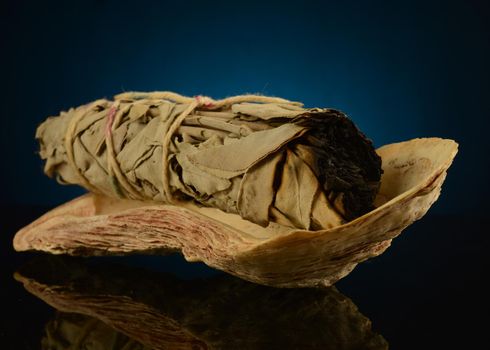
(400, 69)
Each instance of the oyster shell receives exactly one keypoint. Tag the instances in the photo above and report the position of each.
(277, 255)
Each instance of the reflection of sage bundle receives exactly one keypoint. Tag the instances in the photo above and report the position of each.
(69, 331)
(264, 158)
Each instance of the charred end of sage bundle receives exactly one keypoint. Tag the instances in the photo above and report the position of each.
(345, 162)
(272, 162)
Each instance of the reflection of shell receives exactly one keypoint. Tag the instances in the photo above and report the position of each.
(162, 312)
(278, 256)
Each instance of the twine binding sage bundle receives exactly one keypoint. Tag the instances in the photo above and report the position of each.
(269, 160)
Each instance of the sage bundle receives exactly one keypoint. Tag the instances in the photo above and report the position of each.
(266, 159)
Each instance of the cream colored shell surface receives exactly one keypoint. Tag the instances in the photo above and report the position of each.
(277, 255)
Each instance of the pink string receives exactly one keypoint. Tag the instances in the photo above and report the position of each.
(207, 104)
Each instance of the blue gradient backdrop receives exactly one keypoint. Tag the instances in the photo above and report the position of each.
(399, 69)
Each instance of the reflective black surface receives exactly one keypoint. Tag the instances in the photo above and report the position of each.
(427, 291)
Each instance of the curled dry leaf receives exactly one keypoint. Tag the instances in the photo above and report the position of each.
(276, 255)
